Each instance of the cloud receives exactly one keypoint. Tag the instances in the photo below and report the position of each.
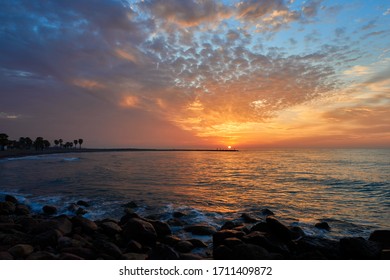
(7, 116)
(387, 12)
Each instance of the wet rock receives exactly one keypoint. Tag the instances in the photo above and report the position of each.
(6, 256)
(73, 207)
(170, 240)
(63, 224)
(261, 226)
(220, 236)
(83, 203)
(201, 229)
(278, 229)
(6, 219)
(198, 243)
(161, 228)
(134, 256)
(250, 252)
(9, 227)
(248, 219)
(139, 230)
(267, 212)
(81, 211)
(108, 248)
(229, 225)
(127, 217)
(14, 238)
(49, 210)
(178, 214)
(385, 254)
(133, 247)
(85, 224)
(11, 198)
(357, 248)
(21, 251)
(222, 252)
(232, 241)
(266, 241)
(111, 228)
(184, 246)
(7, 208)
(22, 210)
(163, 252)
(130, 204)
(176, 222)
(41, 255)
(381, 236)
(48, 238)
(328, 248)
(322, 225)
(296, 233)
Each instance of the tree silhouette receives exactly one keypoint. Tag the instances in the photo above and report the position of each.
(56, 142)
(60, 141)
(39, 143)
(81, 142)
(75, 143)
(29, 143)
(3, 141)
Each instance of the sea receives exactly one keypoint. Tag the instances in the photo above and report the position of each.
(347, 188)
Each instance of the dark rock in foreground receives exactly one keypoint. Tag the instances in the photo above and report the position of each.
(25, 235)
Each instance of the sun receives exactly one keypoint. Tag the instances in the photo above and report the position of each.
(229, 147)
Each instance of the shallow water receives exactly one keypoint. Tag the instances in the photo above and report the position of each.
(348, 188)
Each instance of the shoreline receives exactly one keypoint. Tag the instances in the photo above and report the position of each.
(46, 235)
(24, 153)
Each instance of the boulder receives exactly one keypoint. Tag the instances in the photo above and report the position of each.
(381, 236)
(134, 256)
(189, 256)
(261, 226)
(278, 229)
(111, 228)
(86, 224)
(184, 246)
(7, 208)
(127, 217)
(176, 222)
(170, 240)
(328, 249)
(6, 256)
(21, 251)
(248, 219)
(133, 247)
(178, 214)
(48, 238)
(63, 224)
(322, 225)
(85, 253)
(162, 229)
(163, 252)
(108, 248)
(22, 210)
(198, 243)
(358, 248)
(139, 230)
(229, 225)
(81, 211)
(83, 203)
(130, 204)
(232, 241)
(11, 198)
(220, 236)
(69, 256)
(267, 212)
(268, 242)
(14, 238)
(250, 252)
(49, 210)
(222, 252)
(201, 229)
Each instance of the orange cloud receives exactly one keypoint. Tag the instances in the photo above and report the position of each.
(88, 84)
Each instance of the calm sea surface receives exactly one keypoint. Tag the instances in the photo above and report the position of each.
(348, 188)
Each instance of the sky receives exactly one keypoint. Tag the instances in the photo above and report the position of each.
(197, 73)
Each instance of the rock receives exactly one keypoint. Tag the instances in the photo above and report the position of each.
(228, 225)
(385, 254)
(328, 248)
(162, 229)
(85, 253)
(189, 256)
(22, 210)
(21, 251)
(176, 222)
(63, 224)
(232, 241)
(130, 204)
(261, 226)
(86, 225)
(358, 248)
(296, 233)
(83, 203)
(111, 228)
(10, 227)
(11, 198)
(48, 238)
(7, 208)
(41, 255)
(134, 256)
(220, 236)
(178, 214)
(170, 240)
(381, 236)
(67, 242)
(81, 211)
(108, 248)
(250, 252)
(69, 256)
(322, 225)
(6, 219)
(266, 241)
(278, 229)
(248, 219)
(49, 210)
(267, 212)
(133, 247)
(73, 207)
(198, 243)
(163, 252)
(222, 252)
(14, 238)
(201, 229)
(184, 246)
(139, 230)
(127, 217)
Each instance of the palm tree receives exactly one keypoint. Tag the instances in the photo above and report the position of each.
(60, 141)
(56, 142)
(3, 141)
(29, 142)
(39, 143)
(75, 143)
(46, 144)
(81, 142)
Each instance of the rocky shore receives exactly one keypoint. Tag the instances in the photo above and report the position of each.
(48, 236)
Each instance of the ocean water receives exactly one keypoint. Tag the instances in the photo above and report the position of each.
(348, 188)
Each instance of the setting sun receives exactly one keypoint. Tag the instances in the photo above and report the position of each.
(229, 147)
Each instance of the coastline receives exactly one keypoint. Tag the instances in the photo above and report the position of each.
(23, 153)
(44, 235)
